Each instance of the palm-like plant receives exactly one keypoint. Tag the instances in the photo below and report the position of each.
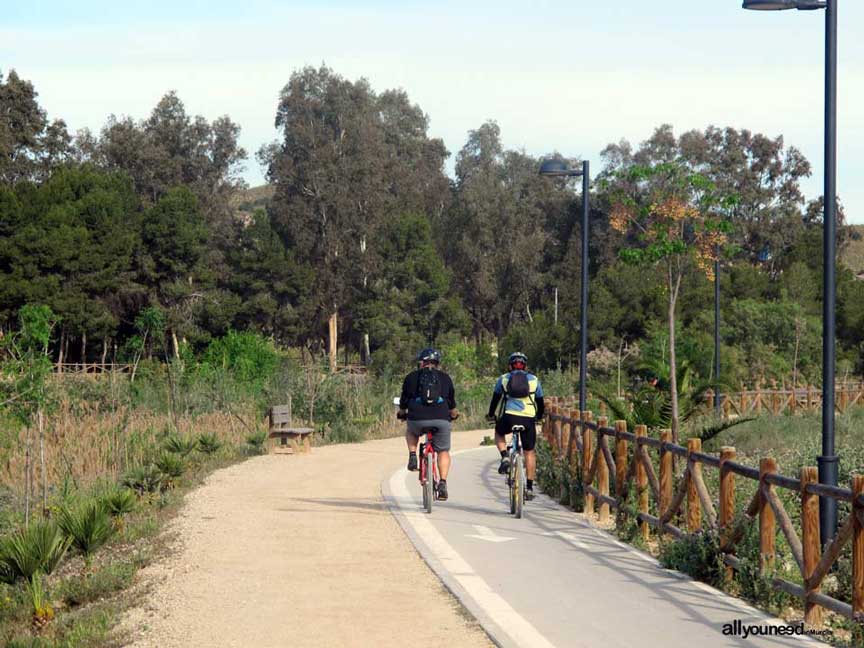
(171, 466)
(182, 446)
(87, 525)
(256, 441)
(37, 548)
(144, 479)
(209, 443)
(40, 601)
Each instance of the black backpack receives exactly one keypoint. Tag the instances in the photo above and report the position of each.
(518, 386)
(429, 387)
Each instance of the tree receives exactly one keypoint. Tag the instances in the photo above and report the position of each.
(760, 170)
(70, 243)
(501, 209)
(348, 161)
(673, 218)
(30, 146)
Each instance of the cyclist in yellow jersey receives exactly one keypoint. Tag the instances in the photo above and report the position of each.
(520, 396)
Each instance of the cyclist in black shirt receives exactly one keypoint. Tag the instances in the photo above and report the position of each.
(429, 400)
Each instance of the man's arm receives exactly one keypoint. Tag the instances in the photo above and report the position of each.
(497, 393)
(538, 400)
(404, 397)
(451, 394)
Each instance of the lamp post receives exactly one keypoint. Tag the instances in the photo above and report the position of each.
(827, 460)
(717, 334)
(558, 168)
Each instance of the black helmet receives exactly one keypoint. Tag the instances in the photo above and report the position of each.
(429, 355)
(517, 356)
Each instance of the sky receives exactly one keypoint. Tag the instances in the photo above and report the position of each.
(567, 77)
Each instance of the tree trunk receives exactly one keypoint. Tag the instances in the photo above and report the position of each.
(27, 479)
(175, 343)
(60, 353)
(83, 353)
(333, 340)
(104, 353)
(673, 368)
(366, 353)
(44, 476)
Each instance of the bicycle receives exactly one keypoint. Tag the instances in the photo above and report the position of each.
(428, 466)
(516, 476)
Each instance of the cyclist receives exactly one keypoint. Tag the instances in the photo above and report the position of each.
(522, 397)
(429, 400)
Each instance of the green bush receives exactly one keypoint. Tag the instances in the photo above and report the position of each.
(209, 444)
(697, 555)
(37, 548)
(171, 466)
(182, 446)
(119, 501)
(144, 479)
(255, 441)
(88, 525)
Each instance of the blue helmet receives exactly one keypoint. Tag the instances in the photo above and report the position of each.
(429, 355)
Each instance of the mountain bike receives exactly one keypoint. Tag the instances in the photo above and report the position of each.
(516, 476)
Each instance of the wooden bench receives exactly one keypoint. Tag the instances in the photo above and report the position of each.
(291, 439)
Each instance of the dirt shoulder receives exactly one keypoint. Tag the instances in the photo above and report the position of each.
(298, 551)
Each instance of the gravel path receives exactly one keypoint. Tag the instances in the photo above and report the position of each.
(298, 551)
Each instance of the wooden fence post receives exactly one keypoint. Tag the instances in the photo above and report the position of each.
(694, 506)
(767, 519)
(666, 477)
(620, 458)
(727, 502)
(574, 435)
(810, 540)
(587, 455)
(858, 549)
(642, 482)
(602, 469)
(556, 431)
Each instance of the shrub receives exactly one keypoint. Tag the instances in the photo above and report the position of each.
(697, 555)
(37, 548)
(40, 602)
(256, 441)
(89, 587)
(87, 525)
(209, 444)
(182, 446)
(171, 466)
(143, 479)
(119, 502)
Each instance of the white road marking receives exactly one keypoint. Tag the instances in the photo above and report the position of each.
(487, 534)
(519, 629)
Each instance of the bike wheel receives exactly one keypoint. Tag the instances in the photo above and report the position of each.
(511, 483)
(518, 487)
(429, 486)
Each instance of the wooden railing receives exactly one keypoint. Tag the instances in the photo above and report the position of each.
(612, 461)
(90, 368)
(753, 402)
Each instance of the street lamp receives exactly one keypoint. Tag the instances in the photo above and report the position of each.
(828, 460)
(557, 168)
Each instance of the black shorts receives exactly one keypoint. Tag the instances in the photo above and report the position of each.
(529, 436)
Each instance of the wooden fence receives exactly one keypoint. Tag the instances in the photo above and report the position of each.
(612, 461)
(753, 402)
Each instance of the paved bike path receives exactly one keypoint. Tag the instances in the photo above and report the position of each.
(550, 579)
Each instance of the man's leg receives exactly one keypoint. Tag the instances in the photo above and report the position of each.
(411, 441)
(531, 464)
(443, 464)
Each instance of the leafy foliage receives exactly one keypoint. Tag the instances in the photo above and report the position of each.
(209, 443)
(37, 548)
(88, 525)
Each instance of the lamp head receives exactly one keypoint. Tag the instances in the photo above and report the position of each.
(555, 167)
